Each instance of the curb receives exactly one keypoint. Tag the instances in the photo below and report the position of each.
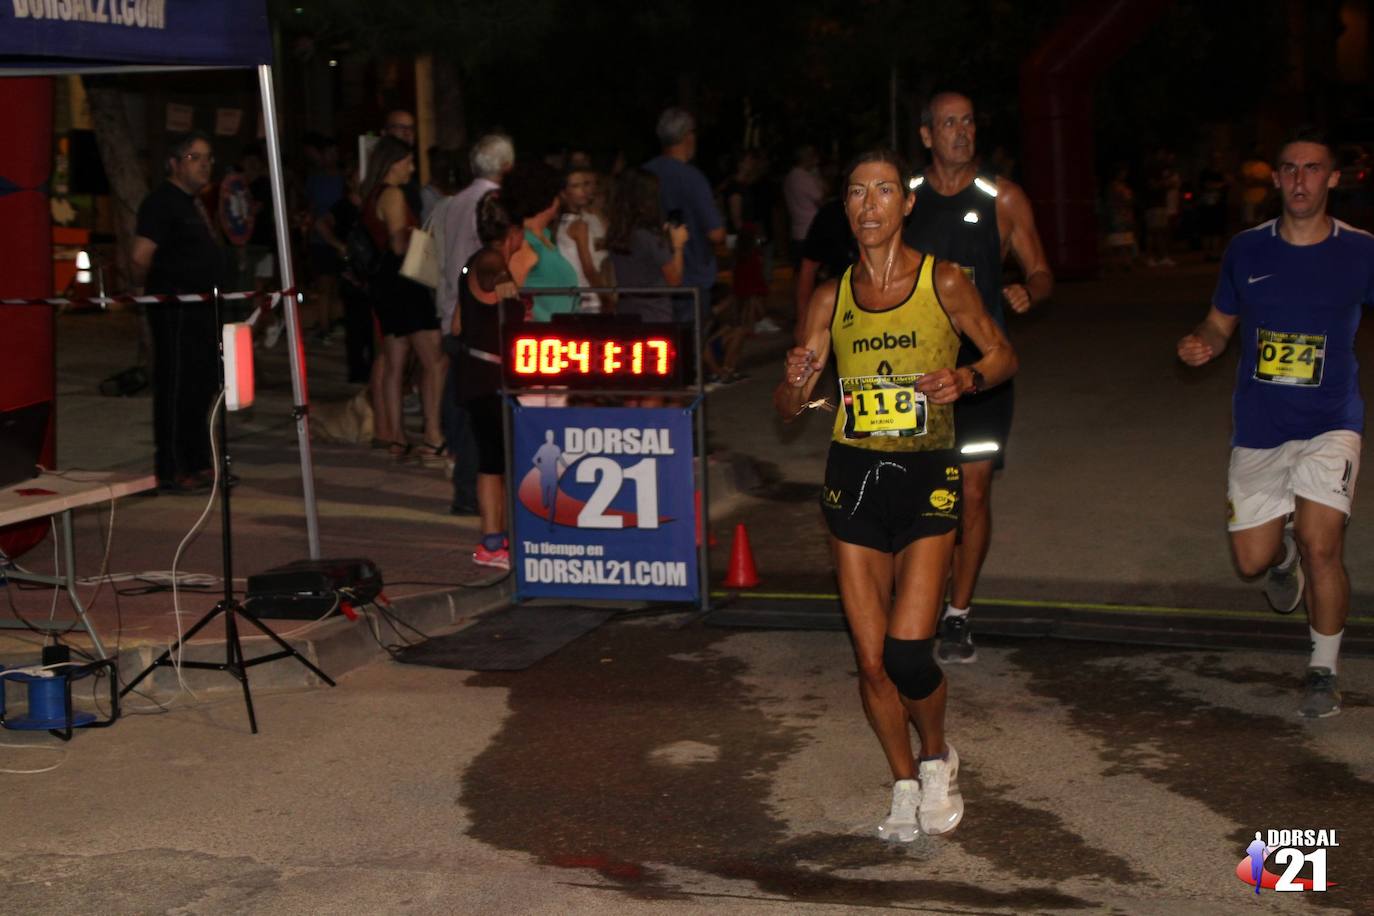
(337, 646)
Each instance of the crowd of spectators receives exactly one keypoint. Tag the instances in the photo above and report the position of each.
(1151, 211)
(502, 222)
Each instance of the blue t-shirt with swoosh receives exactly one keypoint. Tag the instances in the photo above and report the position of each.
(1299, 308)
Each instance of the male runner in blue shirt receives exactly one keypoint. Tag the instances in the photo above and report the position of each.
(1295, 287)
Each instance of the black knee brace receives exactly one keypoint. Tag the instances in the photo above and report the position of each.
(910, 663)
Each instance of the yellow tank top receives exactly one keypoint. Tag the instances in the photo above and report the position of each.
(878, 357)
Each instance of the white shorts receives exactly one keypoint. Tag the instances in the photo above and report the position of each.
(1263, 483)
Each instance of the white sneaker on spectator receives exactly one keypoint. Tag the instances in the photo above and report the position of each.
(767, 325)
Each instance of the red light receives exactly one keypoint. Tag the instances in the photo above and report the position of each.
(526, 355)
(661, 362)
(609, 364)
(579, 352)
(550, 348)
(1187, 195)
(590, 357)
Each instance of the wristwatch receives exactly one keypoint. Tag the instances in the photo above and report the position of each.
(979, 383)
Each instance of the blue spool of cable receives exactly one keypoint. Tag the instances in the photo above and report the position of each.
(47, 704)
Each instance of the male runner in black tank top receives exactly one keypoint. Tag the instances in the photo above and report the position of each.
(974, 219)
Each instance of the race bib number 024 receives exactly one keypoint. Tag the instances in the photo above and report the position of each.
(883, 405)
(1289, 359)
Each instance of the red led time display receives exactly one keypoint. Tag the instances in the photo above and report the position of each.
(590, 360)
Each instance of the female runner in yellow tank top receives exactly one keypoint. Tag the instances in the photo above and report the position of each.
(892, 484)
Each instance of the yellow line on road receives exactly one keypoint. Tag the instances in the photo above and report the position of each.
(1153, 609)
(330, 509)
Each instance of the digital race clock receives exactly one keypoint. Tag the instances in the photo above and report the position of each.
(594, 353)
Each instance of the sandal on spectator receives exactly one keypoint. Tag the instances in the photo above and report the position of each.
(431, 456)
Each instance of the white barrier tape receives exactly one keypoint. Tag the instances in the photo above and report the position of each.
(273, 302)
(150, 300)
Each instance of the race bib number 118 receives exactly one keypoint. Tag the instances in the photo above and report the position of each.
(883, 405)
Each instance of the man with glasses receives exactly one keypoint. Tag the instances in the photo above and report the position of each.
(178, 251)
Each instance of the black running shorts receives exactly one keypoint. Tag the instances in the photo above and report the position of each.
(886, 500)
(982, 419)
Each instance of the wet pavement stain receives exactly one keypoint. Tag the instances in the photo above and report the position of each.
(1257, 770)
(999, 829)
(1270, 683)
(577, 778)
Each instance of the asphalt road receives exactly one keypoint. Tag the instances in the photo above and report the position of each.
(651, 768)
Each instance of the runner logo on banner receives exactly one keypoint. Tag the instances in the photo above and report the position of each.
(603, 503)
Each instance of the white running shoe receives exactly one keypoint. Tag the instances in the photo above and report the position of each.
(942, 805)
(900, 825)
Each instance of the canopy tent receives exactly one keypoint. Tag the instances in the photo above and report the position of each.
(46, 37)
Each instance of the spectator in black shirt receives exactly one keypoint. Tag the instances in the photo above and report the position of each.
(177, 251)
(828, 250)
(333, 227)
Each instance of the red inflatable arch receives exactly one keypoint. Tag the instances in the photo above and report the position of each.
(28, 371)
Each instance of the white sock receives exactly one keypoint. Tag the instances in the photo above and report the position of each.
(1324, 650)
(952, 611)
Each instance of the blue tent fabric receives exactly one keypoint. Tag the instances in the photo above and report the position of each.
(73, 35)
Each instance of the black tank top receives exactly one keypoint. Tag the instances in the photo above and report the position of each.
(478, 377)
(963, 228)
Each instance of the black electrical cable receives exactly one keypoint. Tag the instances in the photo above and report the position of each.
(55, 635)
(153, 588)
(471, 585)
(393, 619)
(373, 630)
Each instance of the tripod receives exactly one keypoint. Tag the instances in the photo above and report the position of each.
(229, 606)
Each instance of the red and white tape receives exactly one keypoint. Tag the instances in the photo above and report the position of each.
(275, 298)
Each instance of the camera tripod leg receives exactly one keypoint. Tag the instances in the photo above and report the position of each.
(286, 646)
(234, 663)
(164, 658)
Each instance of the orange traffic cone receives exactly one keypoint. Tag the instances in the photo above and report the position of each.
(742, 573)
(711, 535)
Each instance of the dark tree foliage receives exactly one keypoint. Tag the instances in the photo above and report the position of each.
(593, 74)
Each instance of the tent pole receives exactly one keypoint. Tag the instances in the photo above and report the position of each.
(300, 397)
